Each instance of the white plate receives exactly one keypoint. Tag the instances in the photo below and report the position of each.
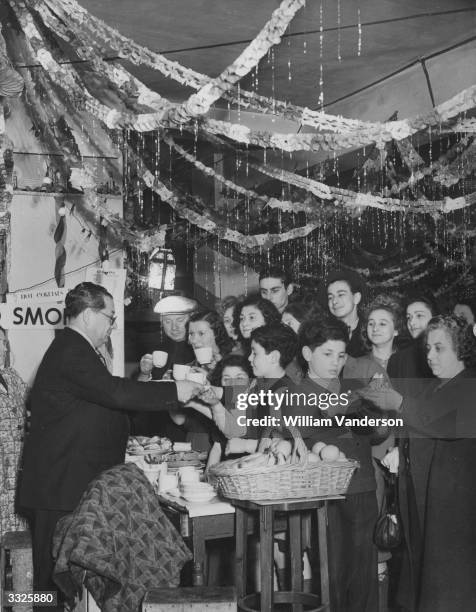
(198, 498)
(198, 489)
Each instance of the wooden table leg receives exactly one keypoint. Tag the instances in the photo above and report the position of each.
(323, 555)
(241, 532)
(266, 558)
(295, 545)
(199, 554)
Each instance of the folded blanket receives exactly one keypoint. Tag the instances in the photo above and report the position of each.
(118, 542)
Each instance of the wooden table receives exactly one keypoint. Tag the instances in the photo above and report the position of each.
(200, 522)
(294, 509)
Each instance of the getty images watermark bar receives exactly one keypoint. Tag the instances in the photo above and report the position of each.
(37, 598)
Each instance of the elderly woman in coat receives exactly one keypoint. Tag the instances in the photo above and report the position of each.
(445, 415)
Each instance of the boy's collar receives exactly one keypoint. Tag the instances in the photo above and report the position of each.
(267, 381)
(276, 375)
(333, 385)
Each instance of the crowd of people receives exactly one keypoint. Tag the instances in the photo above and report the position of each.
(399, 356)
(396, 354)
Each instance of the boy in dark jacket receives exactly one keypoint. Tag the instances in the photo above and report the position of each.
(352, 554)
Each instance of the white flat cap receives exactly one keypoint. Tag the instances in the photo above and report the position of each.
(175, 304)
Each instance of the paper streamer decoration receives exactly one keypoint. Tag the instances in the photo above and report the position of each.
(59, 238)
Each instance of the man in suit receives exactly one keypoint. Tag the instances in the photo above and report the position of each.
(79, 425)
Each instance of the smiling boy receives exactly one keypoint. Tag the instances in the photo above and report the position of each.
(344, 292)
(352, 554)
(273, 347)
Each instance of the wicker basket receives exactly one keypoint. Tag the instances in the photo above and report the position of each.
(294, 480)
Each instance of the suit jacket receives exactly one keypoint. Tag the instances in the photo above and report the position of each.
(79, 425)
(356, 345)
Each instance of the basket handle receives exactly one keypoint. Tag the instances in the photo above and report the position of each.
(299, 453)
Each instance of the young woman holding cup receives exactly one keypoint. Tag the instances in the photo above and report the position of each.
(208, 338)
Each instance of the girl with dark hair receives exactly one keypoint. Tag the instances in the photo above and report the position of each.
(466, 308)
(206, 329)
(294, 314)
(408, 367)
(253, 312)
(234, 375)
(226, 309)
(382, 324)
(441, 423)
(231, 369)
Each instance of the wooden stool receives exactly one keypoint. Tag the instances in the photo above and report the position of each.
(16, 565)
(190, 599)
(294, 510)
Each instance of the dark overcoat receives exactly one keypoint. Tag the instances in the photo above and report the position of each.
(442, 426)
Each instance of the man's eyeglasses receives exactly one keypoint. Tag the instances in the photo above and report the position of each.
(112, 318)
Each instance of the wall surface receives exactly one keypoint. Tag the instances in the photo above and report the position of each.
(32, 264)
(217, 276)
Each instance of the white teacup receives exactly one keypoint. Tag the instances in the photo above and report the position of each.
(204, 354)
(180, 371)
(167, 482)
(198, 377)
(159, 358)
(189, 474)
(152, 472)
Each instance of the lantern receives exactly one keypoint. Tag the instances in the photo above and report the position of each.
(162, 270)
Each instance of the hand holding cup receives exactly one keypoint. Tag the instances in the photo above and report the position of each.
(187, 389)
(159, 358)
(146, 364)
(385, 398)
(209, 395)
(204, 354)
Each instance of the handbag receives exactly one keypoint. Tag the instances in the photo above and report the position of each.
(388, 532)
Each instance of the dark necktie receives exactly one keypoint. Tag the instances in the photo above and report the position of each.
(102, 358)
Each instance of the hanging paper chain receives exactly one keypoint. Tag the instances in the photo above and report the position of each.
(102, 37)
(360, 134)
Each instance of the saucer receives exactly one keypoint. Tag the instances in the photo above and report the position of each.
(199, 497)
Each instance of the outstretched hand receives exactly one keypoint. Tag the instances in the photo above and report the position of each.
(186, 389)
(385, 398)
(209, 395)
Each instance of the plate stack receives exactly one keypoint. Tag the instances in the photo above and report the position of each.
(182, 459)
(194, 491)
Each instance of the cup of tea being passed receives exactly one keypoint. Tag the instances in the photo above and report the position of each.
(198, 377)
(188, 473)
(204, 354)
(180, 371)
(159, 358)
